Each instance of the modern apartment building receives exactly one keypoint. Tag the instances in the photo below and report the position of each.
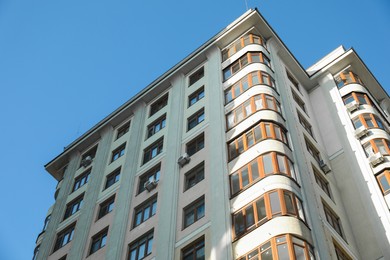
(237, 152)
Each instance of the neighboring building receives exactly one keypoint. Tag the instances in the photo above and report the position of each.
(237, 152)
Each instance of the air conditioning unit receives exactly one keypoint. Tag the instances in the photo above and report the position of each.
(352, 106)
(324, 167)
(183, 160)
(360, 132)
(376, 159)
(86, 161)
(150, 184)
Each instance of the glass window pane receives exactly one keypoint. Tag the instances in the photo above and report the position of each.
(384, 183)
(368, 121)
(228, 96)
(299, 252)
(264, 77)
(150, 246)
(379, 123)
(200, 254)
(200, 211)
(289, 203)
(244, 61)
(270, 102)
(244, 83)
(239, 114)
(381, 147)
(146, 213)
(300, 209)
(133, 254)
(141, 251)
(267, 255)
(232, 150)
(259, 103)
(255, 79)
(261, 212)
(283, 252)
(255, 57)
(357, 123)
(245, 177)
(200, 117)
(237, 90)
(230, 120)
(257, 131)
(239, 223)
(226, 73)
(248, 109)
(348, 99)
(278, 133)
(154, 207)
(255, 170)
(235, 183)
(267, 163)
(240, 145)
(282, 164)
(275, 203)
(236, 67)
(250, 218)
(249, 139)
(368, 149)
(268, 130)
(254, 255)
(361, 99)
(190, 218)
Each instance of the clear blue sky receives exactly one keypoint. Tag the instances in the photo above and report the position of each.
(64, 65)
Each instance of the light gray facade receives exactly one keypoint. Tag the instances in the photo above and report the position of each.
(235, 152)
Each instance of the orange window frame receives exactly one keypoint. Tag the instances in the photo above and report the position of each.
(385, 174)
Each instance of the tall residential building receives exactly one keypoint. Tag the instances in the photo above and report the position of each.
(237, 152)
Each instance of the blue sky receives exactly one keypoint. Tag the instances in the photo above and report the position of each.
(64, 65)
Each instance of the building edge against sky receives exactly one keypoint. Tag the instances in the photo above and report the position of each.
(236, 151)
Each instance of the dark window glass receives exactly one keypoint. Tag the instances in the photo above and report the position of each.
(98, 241)
(195, 145)
(81, 180)
(153, 150)
(73, 206)
(64, 237)
(156, 126)
(195, 119)
(113, 178)
(195, 97)
(123, 130)
(142, 247)
(194, 176)
(194, 212)
(196, 76)
(145, 211)
(106, 207)
(120, 151)
(195, 251)
(159, 104)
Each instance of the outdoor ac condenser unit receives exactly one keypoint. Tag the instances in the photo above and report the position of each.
(183, 160)
(150, 184)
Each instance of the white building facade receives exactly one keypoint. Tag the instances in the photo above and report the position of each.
(237, 152)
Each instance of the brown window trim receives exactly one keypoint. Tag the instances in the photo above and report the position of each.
(241, 43)
(384, 174)
(271, 247)
(261, 174)
(269, 211)
(240, 143)
(249, 80)
(254, 105)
